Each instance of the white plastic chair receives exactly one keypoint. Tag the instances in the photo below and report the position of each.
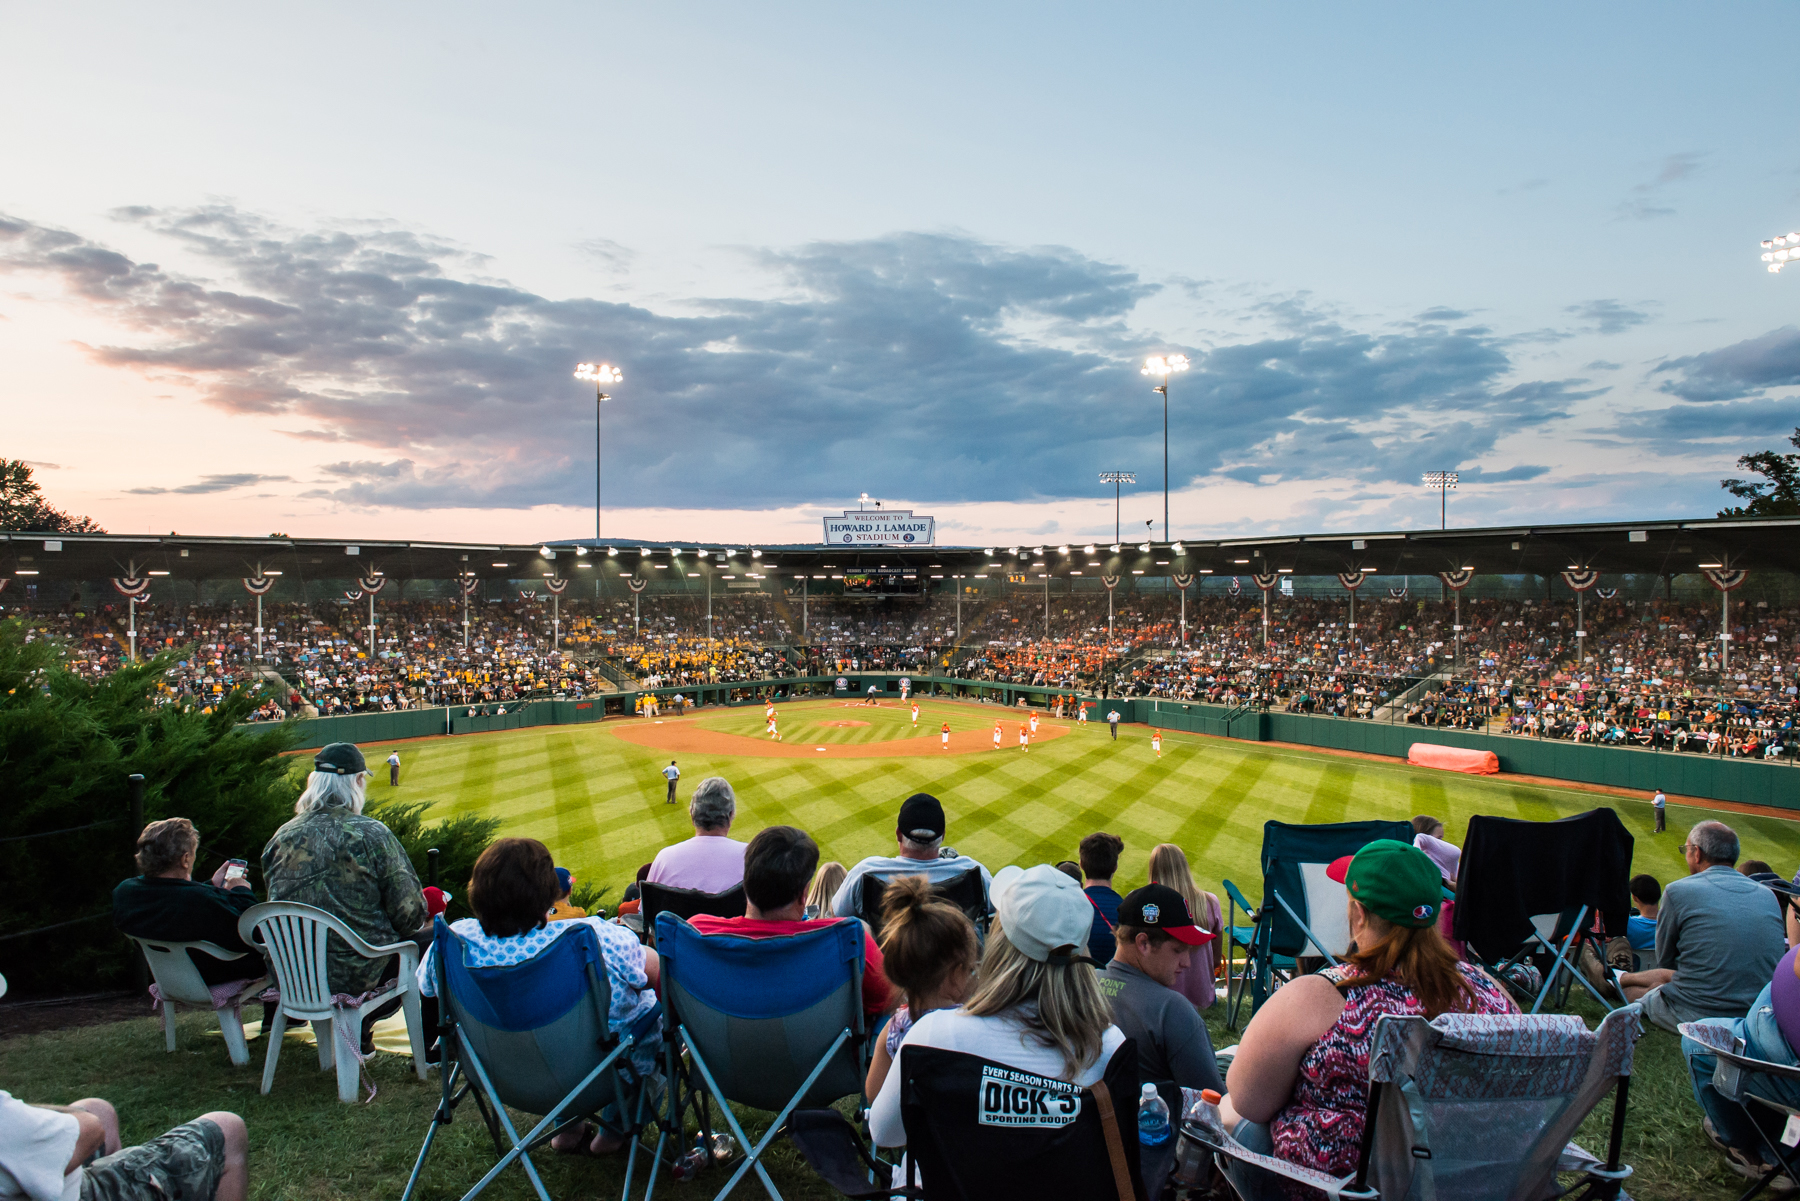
(293, 936)
(178, 980)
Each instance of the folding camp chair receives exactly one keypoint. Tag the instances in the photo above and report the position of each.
(964, 890)
(1303, 911)
(178, 980)
(1734, 1076)
(685, 903)
(772, 1023)
(533, 1036)
(1475, 1107)
(979, 1129)
(1538, 890)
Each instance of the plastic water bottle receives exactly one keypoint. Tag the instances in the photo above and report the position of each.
(1153, 1118)
(690, 1165)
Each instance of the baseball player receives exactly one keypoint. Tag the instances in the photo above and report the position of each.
(996, 735)
(915, 716)
(1034, 721)
(1024, 738)
(1081, 715)
(944, 736)
(774, 733)
(1112, 719)
(1156, 742)
(769, 711)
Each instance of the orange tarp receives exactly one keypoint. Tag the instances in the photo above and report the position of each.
(1454, 758)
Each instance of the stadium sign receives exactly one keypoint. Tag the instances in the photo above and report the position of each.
(889, 527)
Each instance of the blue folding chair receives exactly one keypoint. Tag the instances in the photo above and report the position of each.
(1303, 910)
(771, 1023)
(533, 1036)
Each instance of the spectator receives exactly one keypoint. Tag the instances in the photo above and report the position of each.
(167, 902)
(1303, 1064)
(1037, 1006)
(929, 951)
(48, 1152)
(825, 883)
(1099, 856)
(920, 834)
(778, 865)
(1426, 824)
(1169, 867)
(1718, 937)
(510, 890)
(564, 910)
(1769, 1030)
(710, 861)
(332, 857)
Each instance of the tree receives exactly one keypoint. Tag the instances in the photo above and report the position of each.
(1780, 496)
(23, 507)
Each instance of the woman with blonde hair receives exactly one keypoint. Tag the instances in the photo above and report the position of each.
(1038, 1005)
(928, 952)
(1169, 867)
(825, 883)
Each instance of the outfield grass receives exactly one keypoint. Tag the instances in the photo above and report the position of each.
(597, 800)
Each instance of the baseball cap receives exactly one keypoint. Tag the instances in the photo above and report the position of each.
(1393, 881)
(1042, 910)
(564, 878)
(340, 758)
(1159, 907)
(922, 817)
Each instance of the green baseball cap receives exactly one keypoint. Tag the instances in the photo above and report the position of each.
(1393, 881)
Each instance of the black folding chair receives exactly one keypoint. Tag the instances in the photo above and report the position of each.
(686, 903)
(965, 890)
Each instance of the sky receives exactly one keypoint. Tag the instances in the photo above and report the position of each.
(326, 270)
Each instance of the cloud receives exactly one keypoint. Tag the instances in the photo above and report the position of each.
(1608, 316)
(209, 484)
(1740, 370)
(933, 365)
(607, 253)
(1643, 204)
(1602, 365)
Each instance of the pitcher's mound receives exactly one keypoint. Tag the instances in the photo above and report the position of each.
(843, 724)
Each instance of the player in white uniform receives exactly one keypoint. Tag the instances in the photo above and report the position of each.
(945, 734)
(1081, 715)
(1156, 742)
(996, 735)
(773, 731)
(1034, 719)
(915, 715)
(1024, 738)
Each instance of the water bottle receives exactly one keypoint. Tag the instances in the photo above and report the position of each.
(689, 1165)
(1153, 1118)
(1202, 1133)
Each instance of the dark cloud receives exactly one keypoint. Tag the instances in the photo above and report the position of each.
(208, 484)
(1740, 370)
(1608, 316)
(1677, 429)
(925, 365)
(1602, 365)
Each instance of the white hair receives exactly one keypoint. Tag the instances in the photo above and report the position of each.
(713, 804)
(328, 790)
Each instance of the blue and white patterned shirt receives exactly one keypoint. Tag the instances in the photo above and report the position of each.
(632, 996)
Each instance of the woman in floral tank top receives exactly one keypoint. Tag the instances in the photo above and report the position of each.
(1303, 1065)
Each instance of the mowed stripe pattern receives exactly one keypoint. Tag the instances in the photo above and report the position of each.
(597, 800)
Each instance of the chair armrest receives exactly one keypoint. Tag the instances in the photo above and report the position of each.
(216, 951)
(1231, 890)
(1332, 1186)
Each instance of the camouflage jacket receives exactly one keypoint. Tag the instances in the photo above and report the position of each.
(353, 867)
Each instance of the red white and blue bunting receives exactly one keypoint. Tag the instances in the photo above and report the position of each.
(635, 584)
(372, 584)
(1606, 593)
(1725, 579)
(258, 584)
(1580, 579)
(1352, 580)
(1236, 587)
(469, 584)
(556, 587)
(352, 595)
(1183, 582)
(528, 594)
(1459, 579)
(1398, 593)
(135, 587)
(1265, 580)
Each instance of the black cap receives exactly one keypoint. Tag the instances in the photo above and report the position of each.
(340, 758)
(921, 818)
(1159, 907)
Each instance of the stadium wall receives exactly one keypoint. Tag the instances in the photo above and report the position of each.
(1738, 780)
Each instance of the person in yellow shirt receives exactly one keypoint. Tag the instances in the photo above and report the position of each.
(563, 910)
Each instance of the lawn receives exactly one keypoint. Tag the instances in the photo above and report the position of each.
(597, 800)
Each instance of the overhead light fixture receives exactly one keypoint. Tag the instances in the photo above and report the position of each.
(1012, 550)
(1703, 565)
(271, 573)
(1144, 547)
(499, 565)
(546, 552)
(988, 551)
(756, 554)
(159, 573)
(612, 552)
(25, 571)
(1089, 548)
(1116, 548)
(1176, 547)
(580, 551)
(1062, 550)
(1240, 561)
(1284, 571)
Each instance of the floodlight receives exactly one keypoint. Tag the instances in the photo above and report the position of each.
(545, 551)
(1164, 365)
(1062, 550)
(1176, 547)
(612, 552)
(756, 554)
(1089, 548)
(1145, 548)
(599, 373)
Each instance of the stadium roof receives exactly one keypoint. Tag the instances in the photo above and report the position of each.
(1655, 547)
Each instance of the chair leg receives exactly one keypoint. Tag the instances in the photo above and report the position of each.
(323, 1031)
(416, 1034)
(272, 1036)
(231, 1026)
(168, 1016)
(349, 1067)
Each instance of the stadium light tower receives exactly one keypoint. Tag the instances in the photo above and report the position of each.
(1115, 478)
(1779, 252)
(1445, 483)
(1162, 367)
(598, 374)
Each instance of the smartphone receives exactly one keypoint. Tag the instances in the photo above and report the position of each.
(236, 869)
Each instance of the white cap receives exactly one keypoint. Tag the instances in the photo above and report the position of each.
(1042, 909)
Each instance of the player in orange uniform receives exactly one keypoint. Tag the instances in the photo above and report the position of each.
(946, 736)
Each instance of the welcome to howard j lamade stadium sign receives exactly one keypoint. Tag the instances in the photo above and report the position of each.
(890, 527)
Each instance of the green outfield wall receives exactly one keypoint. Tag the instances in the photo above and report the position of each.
(1709, 776)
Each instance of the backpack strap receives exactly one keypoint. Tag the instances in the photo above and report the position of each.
(1115, 1145)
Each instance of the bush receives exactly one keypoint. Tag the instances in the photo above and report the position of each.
(459, 840)
(67, 746)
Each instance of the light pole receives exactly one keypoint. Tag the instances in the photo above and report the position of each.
(1162, 367)
(1779, 252)
(598, 374)
(1445, 483)
(1115, 478)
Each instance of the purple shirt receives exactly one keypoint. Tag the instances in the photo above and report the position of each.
(1784, 996)
(706, 862)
